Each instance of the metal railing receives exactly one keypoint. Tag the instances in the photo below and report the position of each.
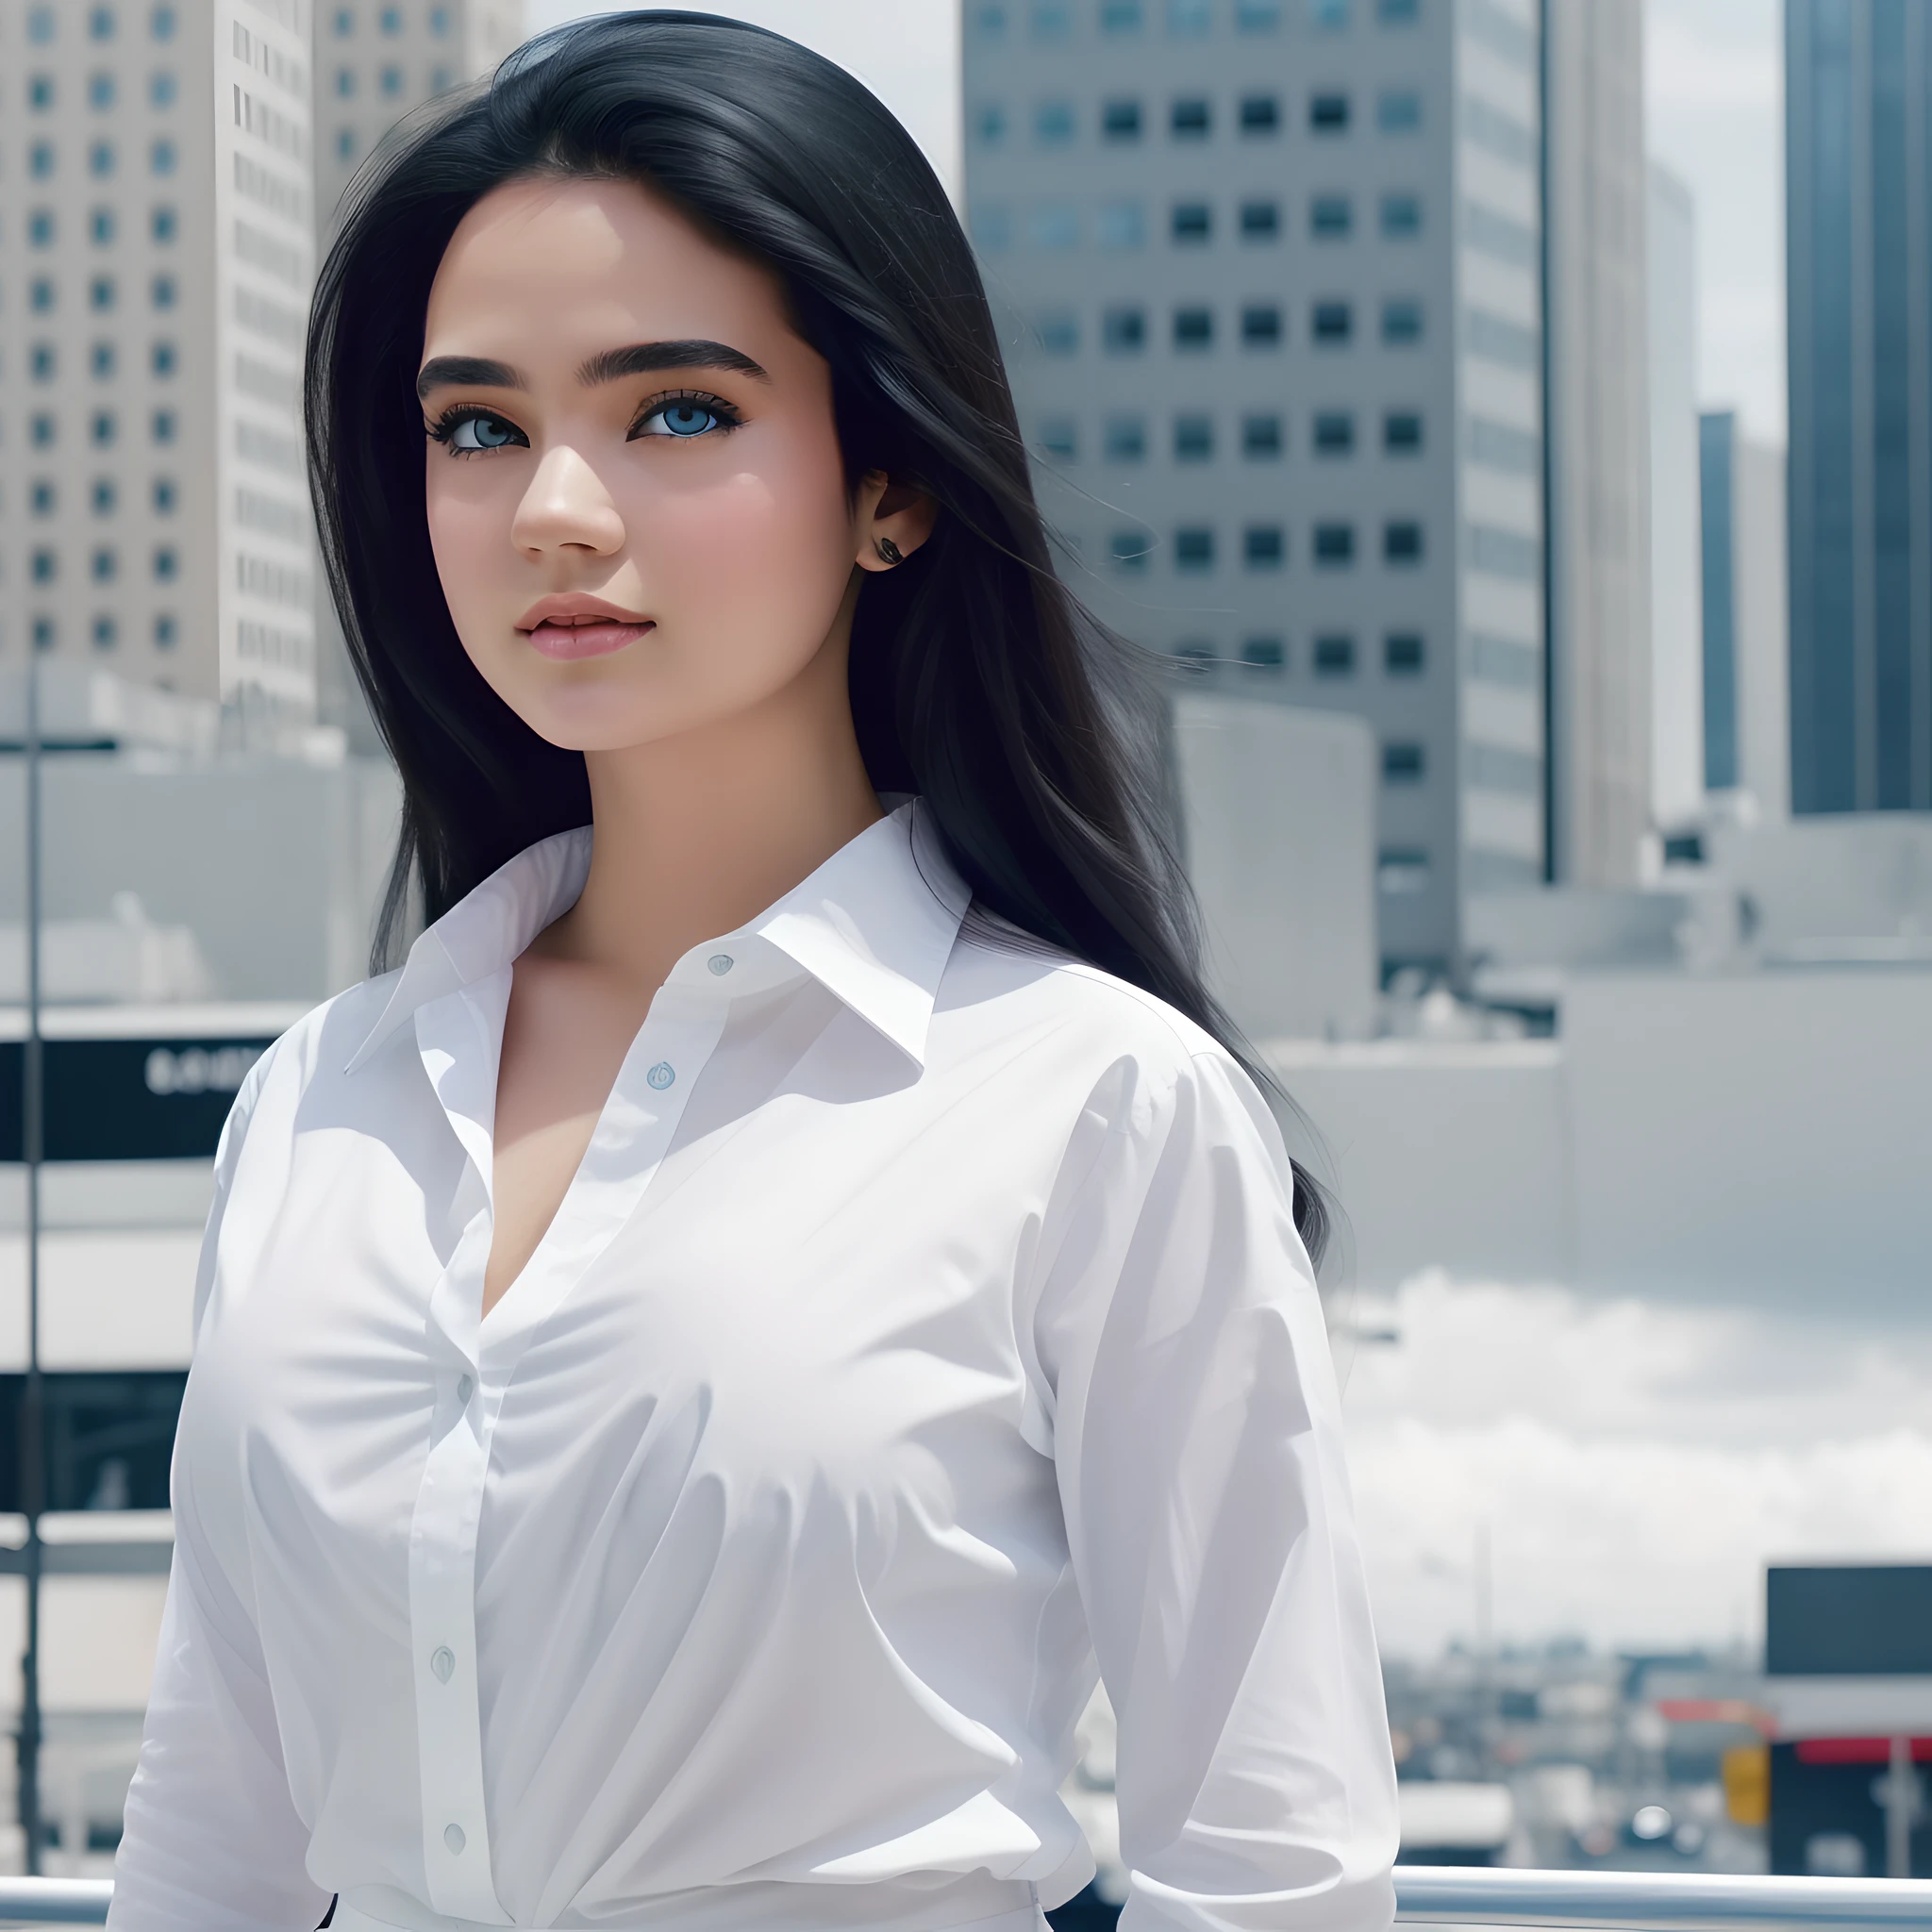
(1425, 1895)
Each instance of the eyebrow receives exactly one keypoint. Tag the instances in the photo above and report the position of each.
(607, 365)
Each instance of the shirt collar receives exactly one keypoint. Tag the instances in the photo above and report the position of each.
(875, 924)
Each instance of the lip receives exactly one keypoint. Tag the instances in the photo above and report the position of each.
(575, 624)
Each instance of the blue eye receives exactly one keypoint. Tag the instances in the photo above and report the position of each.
(479, 431)
(684, 416)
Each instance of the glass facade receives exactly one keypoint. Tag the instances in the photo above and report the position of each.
(1716, 452)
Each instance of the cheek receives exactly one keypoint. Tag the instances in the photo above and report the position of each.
(469, 516)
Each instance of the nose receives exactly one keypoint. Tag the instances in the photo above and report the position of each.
(567, 508)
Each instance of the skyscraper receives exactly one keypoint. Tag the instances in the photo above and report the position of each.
(156, 256)
(1858, 215)
(1269, 277)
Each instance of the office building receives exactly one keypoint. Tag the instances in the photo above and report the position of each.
(1859, 211)
(155, 260)
(1677, 624)
(374, 63)
(1597, 187)
(1268, 273)
(1746, 717)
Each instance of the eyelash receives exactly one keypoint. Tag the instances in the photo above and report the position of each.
(445, 425)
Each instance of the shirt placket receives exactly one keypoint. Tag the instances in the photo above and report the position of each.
(475, 1362)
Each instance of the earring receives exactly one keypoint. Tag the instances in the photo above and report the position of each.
(890, 552)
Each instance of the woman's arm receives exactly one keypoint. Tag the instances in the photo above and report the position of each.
(210, 1839)
(1197, 1439)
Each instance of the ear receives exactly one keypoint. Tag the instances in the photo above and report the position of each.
(891, 514)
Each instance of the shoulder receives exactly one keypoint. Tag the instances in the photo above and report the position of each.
(317, 1048)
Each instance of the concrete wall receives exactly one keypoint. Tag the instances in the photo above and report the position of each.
(1278, 813)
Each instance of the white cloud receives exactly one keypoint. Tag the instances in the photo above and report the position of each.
(1634, 1466)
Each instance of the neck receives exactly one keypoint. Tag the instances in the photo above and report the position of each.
(698, 833)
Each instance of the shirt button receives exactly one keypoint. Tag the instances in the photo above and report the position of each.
(453, 1837)
(442, 1660)
(661, 1075)
(465, 1388)
(719, 963)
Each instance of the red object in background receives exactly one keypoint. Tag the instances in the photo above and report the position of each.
(1857, 1750)
(1716, 1710)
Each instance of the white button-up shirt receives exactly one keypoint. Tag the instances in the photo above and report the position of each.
(926, 1320)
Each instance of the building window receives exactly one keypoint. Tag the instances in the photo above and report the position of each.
(1402, 654)
(100, 225)
(40, 159)
(1193, 548)
(391, 20)
(1190, 119)
(1261, 436)
(1398, 111)
(1260, 221)
(103, 566)
(163, 427)
(1059, 332)
(345, 143)
(1189, 20)
(40, 228)
(1053, 123)
(1333, 323)
(1053, 21)
(100, 159)
(101, 361)
(1402, 432)
(345, 22)
(1193, 222)
(1263, 547)
(41, 296)
(1260, 325)
(1328, 114)
(167, 564)
(989, 123)
(1055, 226)
(1264, 654)
(106, 497)
(165, 496)
(1120, 224)
(1194, 439)
(990, 23)
(1402, 217)
(1402, 322)
(1261, 114)
(1398, 12)
(1335, 657)
(1127, 439)
(45, 566)
(1334, 433)
(106, 633)
(104, 426)
(439, 21)
(163, 223)
(160, 23)
(1124, 330)
(1256, 16)
(1120, 120)
(345, 83)
(393, 82)
(43, 431)
(1059, 438)
(1330, 217)
(1193, 328)
(1129, 548)
(160, 158)
(43, 497)
(1402, 869)
(160, 88)
(162, 292)
(1122, 16)
(1403, 762)
(40, 93)
(166, 631)
(43, 361)
(40, 26)
(162, 359)
(46, 633)
(1402, 543)
(102, 293)
(1328, 16)
(1335, 545)
(100, 90)
(100, 22)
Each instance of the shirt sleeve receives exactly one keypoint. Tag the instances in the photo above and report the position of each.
(210, 1839)
(1196, 1435)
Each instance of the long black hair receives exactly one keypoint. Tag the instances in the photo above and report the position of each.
(976, 679)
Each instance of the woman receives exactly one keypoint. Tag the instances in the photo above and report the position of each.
(694, 1367)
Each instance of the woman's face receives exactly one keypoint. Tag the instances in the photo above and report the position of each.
(633, 478)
